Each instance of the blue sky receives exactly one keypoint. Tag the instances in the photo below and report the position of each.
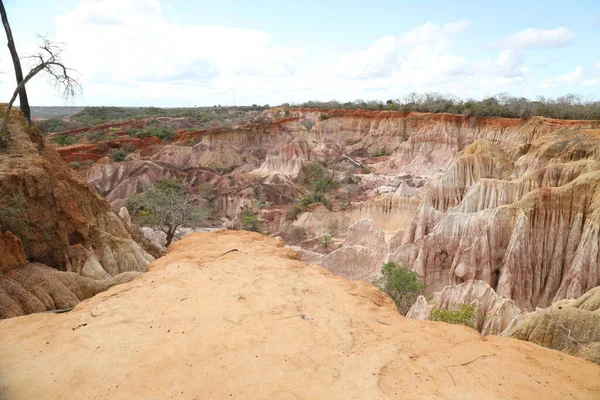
(185, 53)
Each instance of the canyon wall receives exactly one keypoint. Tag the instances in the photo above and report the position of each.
(507, 202)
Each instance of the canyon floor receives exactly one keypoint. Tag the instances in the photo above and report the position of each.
(206, 322)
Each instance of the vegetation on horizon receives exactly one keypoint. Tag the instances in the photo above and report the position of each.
(570, 106)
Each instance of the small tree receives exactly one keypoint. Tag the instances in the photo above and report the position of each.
(166, 207)
(401, 284)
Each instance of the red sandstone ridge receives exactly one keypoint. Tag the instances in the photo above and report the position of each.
(257, 323)
(67, 226)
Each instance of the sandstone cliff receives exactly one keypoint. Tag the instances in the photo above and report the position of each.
(63, 224)
(258, 323)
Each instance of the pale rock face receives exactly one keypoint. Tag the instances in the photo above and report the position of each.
(362, 255)
(286, 161)
(124, 214)
(493, 313)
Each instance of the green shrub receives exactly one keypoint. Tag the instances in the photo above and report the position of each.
(250, 220)
(308, 125)
(118, 155)
(325, 241)
(64, 140)
(94, 136)
(135, 132)
(324, 116)
(401, 284)
(161, 131)
(465, 315)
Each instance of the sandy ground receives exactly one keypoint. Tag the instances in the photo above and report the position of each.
(259, 324)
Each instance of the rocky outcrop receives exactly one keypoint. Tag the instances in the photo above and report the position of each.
(572, 326)
(64, 223)
(260, 315)
(493, 313)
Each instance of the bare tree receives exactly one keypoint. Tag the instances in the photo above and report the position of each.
(16, 62)
(48, 60)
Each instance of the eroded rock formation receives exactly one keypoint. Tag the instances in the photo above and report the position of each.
(63, 223)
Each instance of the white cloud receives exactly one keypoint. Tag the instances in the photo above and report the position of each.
(128, 41)
(597, 65)
(508, 69)
(589, 82)
(431, 33)
(567, 79)
(537, 38)
(129, 53)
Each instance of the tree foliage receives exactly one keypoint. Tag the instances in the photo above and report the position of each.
(166, 207)
(401, 284)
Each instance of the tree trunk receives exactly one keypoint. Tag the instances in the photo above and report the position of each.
(24, 103)
(170, 235)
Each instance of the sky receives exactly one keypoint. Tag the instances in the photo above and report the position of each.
(180, 53)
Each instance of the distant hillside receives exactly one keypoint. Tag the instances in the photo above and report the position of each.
(54, 112)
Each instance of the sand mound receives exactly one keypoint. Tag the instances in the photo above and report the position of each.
(258, 323)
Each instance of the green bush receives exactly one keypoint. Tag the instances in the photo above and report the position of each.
(324, 116)
(118, 155)
(325, 241)
(250, 220)
(465, 315)
(308, 125)
(64, 140)
(161, 131)
(94, 136)
(401, 284)
(135, 132)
